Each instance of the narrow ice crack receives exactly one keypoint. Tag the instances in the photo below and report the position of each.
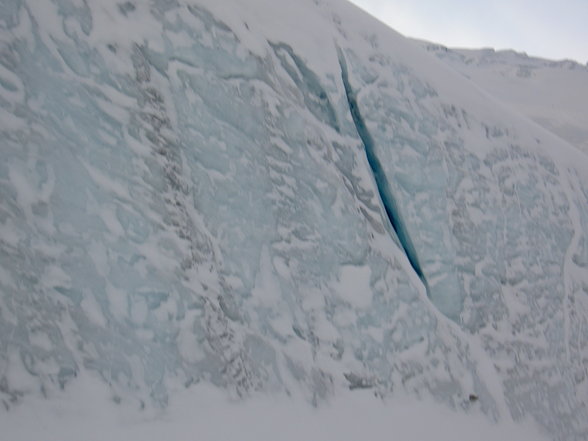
(399, 230)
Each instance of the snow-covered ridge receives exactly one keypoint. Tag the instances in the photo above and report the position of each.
(279, 197)
(552, 93)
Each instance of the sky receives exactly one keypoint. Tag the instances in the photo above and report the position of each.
(554, 29)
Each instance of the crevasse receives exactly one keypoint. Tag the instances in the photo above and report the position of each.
(399, 230)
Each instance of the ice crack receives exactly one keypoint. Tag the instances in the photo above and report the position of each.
(399, 230)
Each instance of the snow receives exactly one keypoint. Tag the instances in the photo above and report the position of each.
(272, 199)
(354, 287)
(202, 412)
(552, 93)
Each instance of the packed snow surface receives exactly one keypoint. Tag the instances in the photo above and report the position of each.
(266, 199)
(205, 414)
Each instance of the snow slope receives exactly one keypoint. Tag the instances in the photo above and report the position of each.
(554, 94)
(283, 198)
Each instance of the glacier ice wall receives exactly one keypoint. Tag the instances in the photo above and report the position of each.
(187, 195)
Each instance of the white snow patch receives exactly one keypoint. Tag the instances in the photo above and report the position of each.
(204, 413)
(353, 285)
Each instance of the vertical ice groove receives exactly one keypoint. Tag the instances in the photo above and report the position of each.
(315, 96)
(380, 178)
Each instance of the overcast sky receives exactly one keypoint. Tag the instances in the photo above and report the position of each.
(554, 29)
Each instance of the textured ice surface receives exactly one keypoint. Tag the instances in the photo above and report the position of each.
(205, 192)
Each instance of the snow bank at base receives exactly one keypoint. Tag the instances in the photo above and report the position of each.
(205, 414)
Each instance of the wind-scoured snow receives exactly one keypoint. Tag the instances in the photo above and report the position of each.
(250, 194)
